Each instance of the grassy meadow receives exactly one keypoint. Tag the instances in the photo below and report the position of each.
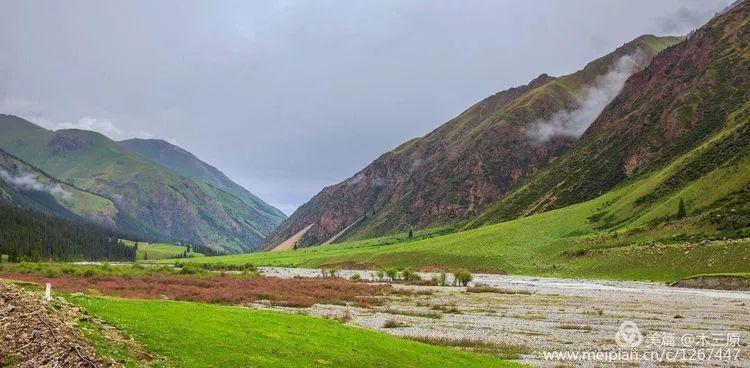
(565, 243)
(160, 250)
(204, 335)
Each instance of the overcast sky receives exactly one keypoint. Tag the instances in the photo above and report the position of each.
(287, 97)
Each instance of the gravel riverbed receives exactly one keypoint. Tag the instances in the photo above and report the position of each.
(542, 314)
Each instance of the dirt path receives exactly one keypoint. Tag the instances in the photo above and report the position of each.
(540, 314)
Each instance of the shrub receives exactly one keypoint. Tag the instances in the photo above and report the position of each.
(392, 273)
(450, 309)
(681, 211)
(343, 318)
(411, 276)
(190, 269)
(462, 276)
(329, 272)
(52, 272)
(406, 273)
(393, 323)
(380, 275)
(356, 277)
(442, 279)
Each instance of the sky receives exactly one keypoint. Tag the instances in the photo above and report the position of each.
(287, 97)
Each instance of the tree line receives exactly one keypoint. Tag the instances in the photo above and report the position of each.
(32, 236)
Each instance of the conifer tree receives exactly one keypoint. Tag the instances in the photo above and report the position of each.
(681, 211)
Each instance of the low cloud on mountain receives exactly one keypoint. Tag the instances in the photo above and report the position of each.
(572, 123)
(28, 182)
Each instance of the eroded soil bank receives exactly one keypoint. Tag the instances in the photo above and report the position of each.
(719, 282)
(33, 333)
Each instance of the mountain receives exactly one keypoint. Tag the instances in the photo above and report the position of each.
(161, 201)
(679, 130)
(25, 186)
(657, 188)
(42, 218)
(459, 169)
(179, 160)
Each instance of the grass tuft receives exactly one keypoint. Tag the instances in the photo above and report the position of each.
(413, 313)
(500, 350)
(393, 323)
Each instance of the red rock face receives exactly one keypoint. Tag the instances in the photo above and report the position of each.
(684, 93)
(637, 160)
(453, 173)
(680, 99)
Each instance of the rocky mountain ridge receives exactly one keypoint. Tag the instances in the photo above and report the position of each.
(463, 166)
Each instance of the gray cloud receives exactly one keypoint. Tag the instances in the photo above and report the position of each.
(688, 16)
(593, 99)
(288, 97)
(29, 182)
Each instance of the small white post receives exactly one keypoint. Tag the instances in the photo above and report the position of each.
(48, 292)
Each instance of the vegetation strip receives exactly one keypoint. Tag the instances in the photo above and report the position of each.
(296, 292)
(199, 335)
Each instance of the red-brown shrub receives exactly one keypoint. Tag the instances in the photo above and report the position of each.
(296, 292)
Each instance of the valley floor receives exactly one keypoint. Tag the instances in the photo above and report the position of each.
(532, 315)
(145, 316)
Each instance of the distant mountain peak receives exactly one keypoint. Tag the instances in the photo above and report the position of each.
(184, 162)
(136, 194)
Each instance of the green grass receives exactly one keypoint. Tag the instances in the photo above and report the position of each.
(54, 269)
(559, 243)
(203, 335)
(120, 351)
(160, 250)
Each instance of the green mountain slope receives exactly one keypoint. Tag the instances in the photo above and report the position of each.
(210, 178)
(687, 100)
(459, 169)
(618, 235)
(25, 186)
(607, 237)
(162, 201)
(658, 188)
(560, 243)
